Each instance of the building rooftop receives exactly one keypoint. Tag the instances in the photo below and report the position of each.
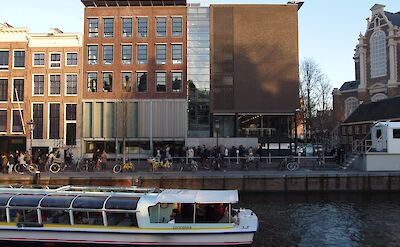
(117, 3)
(394, 18)
(386, 109)
(349, 85)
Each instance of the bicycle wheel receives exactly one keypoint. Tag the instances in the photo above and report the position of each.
(55, 168)
(84, 167)
(33, 168)
(132, 167)
(18, 168)
(117, 168)
(290, 166)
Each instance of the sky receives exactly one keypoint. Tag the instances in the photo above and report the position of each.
(328, 30)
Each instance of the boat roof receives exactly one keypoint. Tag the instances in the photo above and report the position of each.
(198, 196)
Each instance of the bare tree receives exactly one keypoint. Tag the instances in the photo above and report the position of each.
(325, 90)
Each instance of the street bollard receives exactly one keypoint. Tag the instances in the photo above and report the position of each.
(237, 157)
(36, 178)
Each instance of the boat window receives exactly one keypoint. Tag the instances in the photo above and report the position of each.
(3, 216)
(212, 213)
(24, 215)
(127, 203)
(26, 200)
(57, 201)
(95, 202)
(121, 219)
(161, 213)
(55, 216)
(4, 199)
(88, 218)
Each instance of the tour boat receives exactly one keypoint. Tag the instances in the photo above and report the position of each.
(124, 216)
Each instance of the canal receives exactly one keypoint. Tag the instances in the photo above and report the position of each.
(326, 219)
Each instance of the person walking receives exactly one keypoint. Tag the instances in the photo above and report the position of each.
(4, 163)
(11, 163)
(103, 158)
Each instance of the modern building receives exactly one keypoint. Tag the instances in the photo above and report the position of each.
(161, 72)
(40, 77)
(377, 64)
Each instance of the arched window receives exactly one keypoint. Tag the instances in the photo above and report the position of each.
(378, 96)
(350, 104)
(378, 54)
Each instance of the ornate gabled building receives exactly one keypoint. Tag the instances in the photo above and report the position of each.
(377, 64)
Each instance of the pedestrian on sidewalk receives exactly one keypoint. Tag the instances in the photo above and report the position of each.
(4, 163)
(11, 163)
(103, 160)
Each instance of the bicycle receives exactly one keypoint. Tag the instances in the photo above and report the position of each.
(319, 162)
(128, 166)
(193, 166)
(83, 165)
(289, 164)
(20, 168)
(155, 164)
(57, 165)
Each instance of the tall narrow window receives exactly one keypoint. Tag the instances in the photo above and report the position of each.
(71, 84)
(38, 59)
(3, 89)
(55, 60)
(350, 104)
(38, 119)
(141, 81)
(161, 82)
(142, 54)
(55, 84)
(3, 120)
(108, 54)
(142, 27)
(176, 26)
(126, 54)
(127, 27)
(4, 60)
(19, 59)
(378, 54)
(93, 25)
(92, 82)
(108, 27)
(177, 54)
(18, 90)
(70, 118)
(92, 54)
(72, 58)
(54, 121)
(161, 29)
(177, 82)
(38, 85)
(127, 81)
(107, 81)
(161, 54)
(17, 122)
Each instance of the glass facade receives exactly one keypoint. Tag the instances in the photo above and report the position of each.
(198, 71)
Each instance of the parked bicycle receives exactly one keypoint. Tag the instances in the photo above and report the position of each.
(192, 166)
(156, 164)
(319, 162)
(21, 168)
(57, 165)
(289, 164)
(128, 166)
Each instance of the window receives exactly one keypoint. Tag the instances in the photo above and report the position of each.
(72, 85)
(378, 54)
(378, 133)
(108, 27)
(55, 216)
(17, 123)
(127, 81)
(378, 97)
(3, 89)
(55, 84)
(177, 82)
(142, 27)
(396, 133)
(343, 130)
(161, 82)
(72, 58)
(18, 86)
(161, 28)
(38, 85)
(70, 113)
(55, 60)
(107, 82)
(92, 82)
(4, 60)
(364, 129)
(356, 130)
(350, 104)
(108, 54)
(3, 120)
(92, 54)
(126, 54)
(19, 59)
(142, 54)
(93, 24)
(38, 59)
(141, 81)
(177, 54)
(70, 117)
(54, 121)
(38, 119)
(176, 26)
(127, 27)
(161, 54)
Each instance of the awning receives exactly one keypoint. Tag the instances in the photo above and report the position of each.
(198, 196)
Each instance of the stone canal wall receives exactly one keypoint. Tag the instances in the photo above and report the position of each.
(363, 182)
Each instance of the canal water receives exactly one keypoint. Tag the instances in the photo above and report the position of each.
(325, 219)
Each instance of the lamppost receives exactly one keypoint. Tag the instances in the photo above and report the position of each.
(295, 130)
(31, 125)
(216, 125)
